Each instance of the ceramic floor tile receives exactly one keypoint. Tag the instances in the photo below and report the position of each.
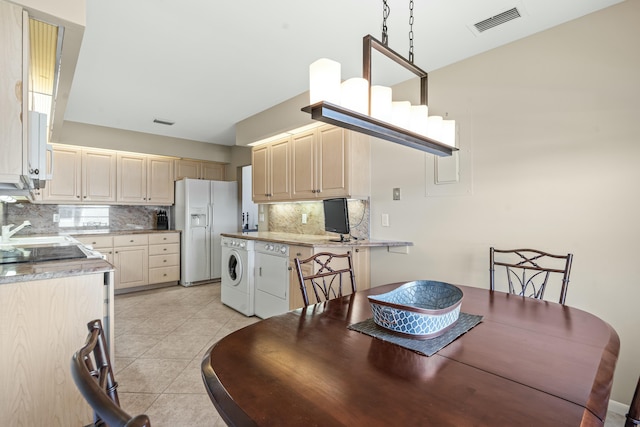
(133, 345)
(214, 310)
(150, 375)
(183, 410)
(159, 324)
(614, 420)
(208, 327)
(175, 346)
(120, 363)
(189, 381)
(136, 403)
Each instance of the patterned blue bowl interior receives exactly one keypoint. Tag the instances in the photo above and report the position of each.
(422, 308)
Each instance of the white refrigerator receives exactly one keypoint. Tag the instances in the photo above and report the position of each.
(203, 210)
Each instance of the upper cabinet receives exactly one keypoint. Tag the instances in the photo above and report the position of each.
(321, 163)
(199, 169)
(14, 53)
(271, 171)
(81, 175)
(145, 179)
(92, 175)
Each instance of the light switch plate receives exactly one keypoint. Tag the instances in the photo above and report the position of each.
(396, 194)
(385, 220)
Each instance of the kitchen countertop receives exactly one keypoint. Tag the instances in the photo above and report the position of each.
(116, 232)
(313, 240)
(28, 271)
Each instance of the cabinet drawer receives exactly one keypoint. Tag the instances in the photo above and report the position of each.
(164, 274)
(131, 240)
(97, 241)
(158, 238)
(302, 252)
(169, 260)
(171, 248)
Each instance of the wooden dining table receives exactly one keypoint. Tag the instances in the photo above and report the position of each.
(528, 363)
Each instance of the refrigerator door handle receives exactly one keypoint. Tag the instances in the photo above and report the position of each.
(208, 216)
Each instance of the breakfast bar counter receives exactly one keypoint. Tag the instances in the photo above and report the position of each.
(314, 240)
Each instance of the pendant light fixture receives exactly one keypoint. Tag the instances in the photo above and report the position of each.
(356, 105)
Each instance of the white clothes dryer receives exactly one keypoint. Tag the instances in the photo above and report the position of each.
(237, 289)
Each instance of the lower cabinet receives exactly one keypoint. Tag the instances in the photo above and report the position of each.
(131, 260)
(139, 259)
(164, 257)
(42, 323)
(361, 267)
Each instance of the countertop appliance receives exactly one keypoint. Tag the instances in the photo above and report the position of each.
(203, 210)
(271, 279)
(237, 289)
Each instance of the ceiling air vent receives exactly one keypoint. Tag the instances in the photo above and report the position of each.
(498, 19)
(164, 122)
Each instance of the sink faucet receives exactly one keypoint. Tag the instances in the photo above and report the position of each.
(7, 232)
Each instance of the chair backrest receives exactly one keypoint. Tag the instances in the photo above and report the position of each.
(324, 278)
(92, 373)
(528, 270)
(633, 416)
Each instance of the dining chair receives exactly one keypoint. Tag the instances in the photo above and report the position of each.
(633, 416)
(528, 271)
(320, 273)
(92, 373)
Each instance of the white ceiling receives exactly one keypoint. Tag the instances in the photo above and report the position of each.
(208, 64)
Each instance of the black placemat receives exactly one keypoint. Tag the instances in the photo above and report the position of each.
(427, 347)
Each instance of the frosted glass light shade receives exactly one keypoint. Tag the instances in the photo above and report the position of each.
(418, 119)
(434, 127)
(381, 103)
(324, 81)
(355, 95)
(401, 113)
(448, 132)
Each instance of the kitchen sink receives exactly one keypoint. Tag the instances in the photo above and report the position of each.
(39, 240)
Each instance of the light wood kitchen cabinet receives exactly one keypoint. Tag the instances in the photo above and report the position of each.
(160, 188)
(329, 162)
(199, 169)
(81, 175)
(320, 163)
(361, 268)
(139, 259)
(271, 171)
(14, 46)
(144, 179)
(42, 323)
(164, 257)
(131, 260)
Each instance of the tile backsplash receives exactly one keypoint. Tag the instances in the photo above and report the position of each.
(74, 218)
(287, 218)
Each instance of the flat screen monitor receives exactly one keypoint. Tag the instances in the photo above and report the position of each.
(336, 218)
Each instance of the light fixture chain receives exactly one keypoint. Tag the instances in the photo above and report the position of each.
(411, 31)
(386, 10)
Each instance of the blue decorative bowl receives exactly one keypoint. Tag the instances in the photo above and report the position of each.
(420, 309)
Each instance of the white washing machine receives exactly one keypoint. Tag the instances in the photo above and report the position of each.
(237, 289)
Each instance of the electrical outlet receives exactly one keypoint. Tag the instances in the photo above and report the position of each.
(304, 218)
(385, 220)
(261, 216)
(56, 217)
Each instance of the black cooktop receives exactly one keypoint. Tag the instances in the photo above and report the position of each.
(39, 254)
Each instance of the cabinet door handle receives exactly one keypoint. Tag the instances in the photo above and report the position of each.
(290, 269)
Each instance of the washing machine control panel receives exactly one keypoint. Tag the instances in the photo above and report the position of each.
(237, 243)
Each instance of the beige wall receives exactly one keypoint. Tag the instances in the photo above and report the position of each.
(75, 133)
(554, 123)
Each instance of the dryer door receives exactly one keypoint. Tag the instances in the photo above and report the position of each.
(233, 269)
